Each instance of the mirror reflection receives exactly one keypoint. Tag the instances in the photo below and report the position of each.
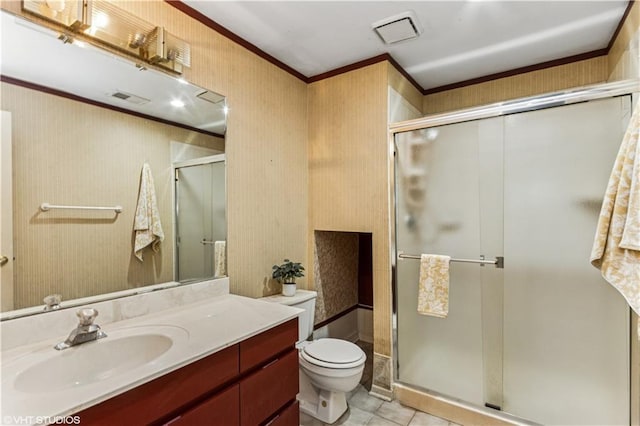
(200, 219)
(81, 123)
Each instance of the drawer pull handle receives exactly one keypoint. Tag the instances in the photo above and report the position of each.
(271, 363)
(273, 420)
(172, 421)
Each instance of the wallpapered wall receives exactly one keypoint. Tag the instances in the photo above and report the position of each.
(266, 146)
(71, 153)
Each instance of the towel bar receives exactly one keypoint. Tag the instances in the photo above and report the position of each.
(46, 207)
(498, 262)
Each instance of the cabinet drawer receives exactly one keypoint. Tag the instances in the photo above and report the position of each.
(290, 416)
(166, 395)
(222, 409)
(264, 346)
(269, 389)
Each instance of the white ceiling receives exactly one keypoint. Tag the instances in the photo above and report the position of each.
(462, 39)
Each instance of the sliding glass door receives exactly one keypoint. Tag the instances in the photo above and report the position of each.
(544, 338)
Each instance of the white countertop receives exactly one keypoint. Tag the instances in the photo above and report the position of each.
(203, 328)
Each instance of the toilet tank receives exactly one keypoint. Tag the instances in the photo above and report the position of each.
(303, 299)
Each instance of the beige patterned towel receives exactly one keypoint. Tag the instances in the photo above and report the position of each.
(433, 288)
(147, 226)
(616, 249)
(219, 258)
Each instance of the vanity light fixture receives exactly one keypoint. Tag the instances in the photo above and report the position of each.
(69, 13)
(105, 23)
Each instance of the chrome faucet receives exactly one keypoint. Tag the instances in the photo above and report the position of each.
(86, 331)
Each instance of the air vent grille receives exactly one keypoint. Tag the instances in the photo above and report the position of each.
(128, 97)
(397, 28)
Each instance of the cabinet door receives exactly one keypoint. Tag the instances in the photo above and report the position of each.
(222, 409)
(266, 391)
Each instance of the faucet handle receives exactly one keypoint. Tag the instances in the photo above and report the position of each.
(52, 302)
(87, 315)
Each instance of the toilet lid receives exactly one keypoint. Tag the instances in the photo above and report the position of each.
(333, 351)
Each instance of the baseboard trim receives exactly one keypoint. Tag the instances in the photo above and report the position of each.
(335, 317)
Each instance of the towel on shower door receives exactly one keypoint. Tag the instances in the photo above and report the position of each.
(433, 288)
(147, 226)
(616, 249)
(219, 258)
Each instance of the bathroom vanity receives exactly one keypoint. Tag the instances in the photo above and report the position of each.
(250, 383)
(227, 360)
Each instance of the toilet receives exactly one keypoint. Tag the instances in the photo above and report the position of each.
(329, 368)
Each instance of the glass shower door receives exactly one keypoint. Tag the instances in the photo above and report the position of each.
(566, 331)
(439, 212)
(545, 338)
(200, 219)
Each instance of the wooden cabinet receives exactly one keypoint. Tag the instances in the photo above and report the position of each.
(254, 382)
(269, 389)
(220, 409)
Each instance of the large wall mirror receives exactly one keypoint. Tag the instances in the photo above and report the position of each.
(79, 125)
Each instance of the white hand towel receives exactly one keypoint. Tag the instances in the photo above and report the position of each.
(220, 258)
(616, 247)
(433, 288)
(147, 226)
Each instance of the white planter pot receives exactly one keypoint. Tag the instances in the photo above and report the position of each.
(289, 289)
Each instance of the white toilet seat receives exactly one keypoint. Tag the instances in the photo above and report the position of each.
(333, 354)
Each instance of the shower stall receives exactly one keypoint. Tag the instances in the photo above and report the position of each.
(513, 190)
(200, 218)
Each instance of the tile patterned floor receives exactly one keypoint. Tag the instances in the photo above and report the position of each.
(368, 410)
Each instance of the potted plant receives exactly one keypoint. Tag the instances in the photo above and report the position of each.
(287, 274)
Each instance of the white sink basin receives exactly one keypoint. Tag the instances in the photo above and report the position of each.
(121, 352)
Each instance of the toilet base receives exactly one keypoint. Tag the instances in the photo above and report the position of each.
(323, 405)
(328, 408)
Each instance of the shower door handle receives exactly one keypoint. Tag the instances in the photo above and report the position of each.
(207, 242)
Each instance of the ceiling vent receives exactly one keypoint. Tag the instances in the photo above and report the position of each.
(214, 98)
(394, 29)
(138, 100)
